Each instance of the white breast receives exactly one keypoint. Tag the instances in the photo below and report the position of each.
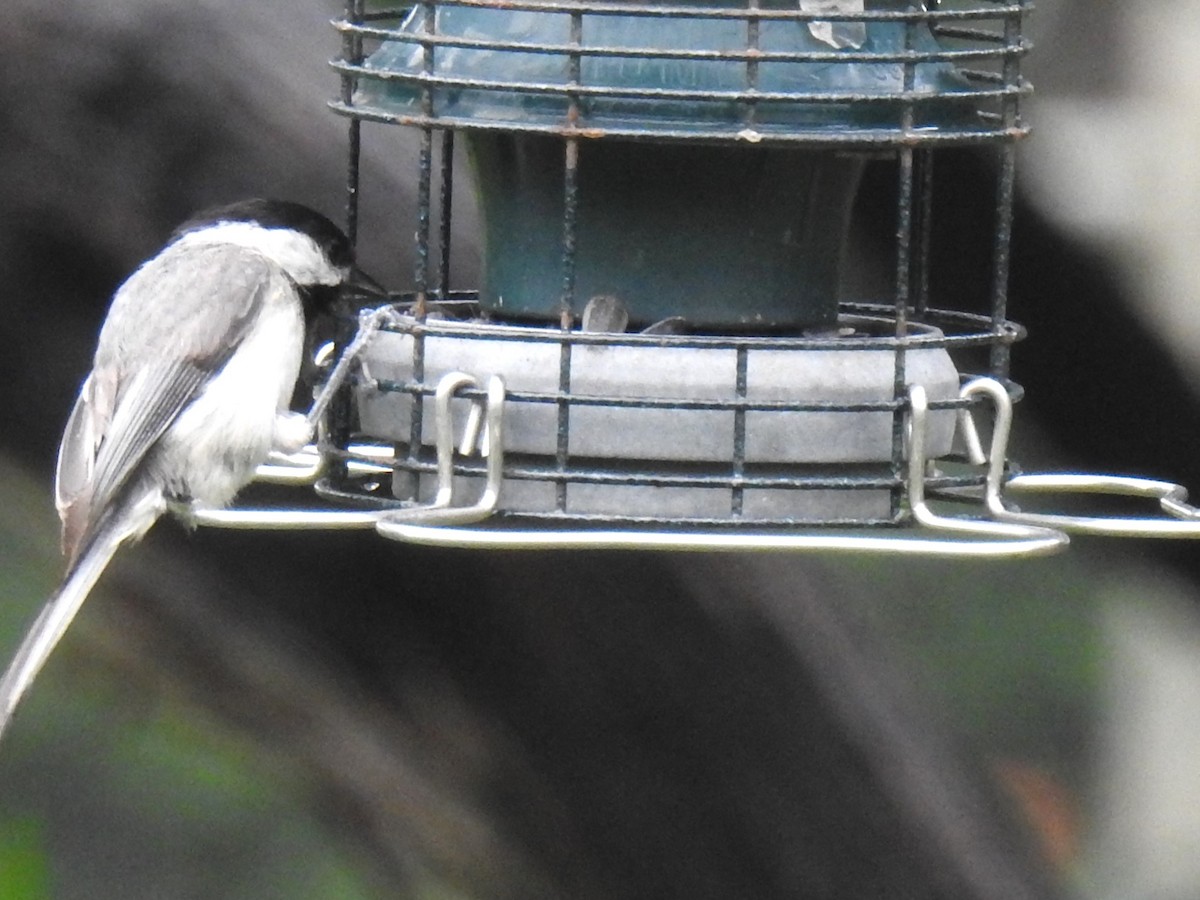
(215, 445)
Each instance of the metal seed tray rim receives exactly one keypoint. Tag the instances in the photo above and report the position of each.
(983, 331)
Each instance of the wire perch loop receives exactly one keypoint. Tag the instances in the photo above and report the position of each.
(942, 535)
(484, 430)
(1179, 520)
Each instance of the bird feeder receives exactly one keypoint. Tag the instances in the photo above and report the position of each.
(663, 350)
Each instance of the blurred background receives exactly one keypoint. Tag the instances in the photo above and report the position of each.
(253, 715)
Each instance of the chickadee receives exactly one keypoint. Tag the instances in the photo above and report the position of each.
(189, 391)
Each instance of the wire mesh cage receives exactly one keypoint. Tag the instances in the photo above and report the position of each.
(666, 192)
(666, 348)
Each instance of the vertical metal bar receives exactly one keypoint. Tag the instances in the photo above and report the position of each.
(562, 449)
(424, 200)
(907, 115)
(1005, 190)
(738, 491)
(405, 483)
(352, 52)
(737, 494)
(923, 229)
(904, 231)
(338, 414)
(753, 29)
(569, 249)
(425, 165)
(571, 176)
(421, 279)
(1005, 183)
(570, 226)
(566, 317)
(446, 203)
(903, 283)
(354, 155)
(1013, 28)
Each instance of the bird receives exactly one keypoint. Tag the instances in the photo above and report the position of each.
(190, 389)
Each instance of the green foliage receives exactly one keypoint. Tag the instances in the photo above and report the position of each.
(24, 870)
(1011, 648)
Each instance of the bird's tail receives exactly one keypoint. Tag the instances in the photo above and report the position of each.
(56, 615)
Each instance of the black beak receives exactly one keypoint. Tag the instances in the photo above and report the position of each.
(359, 284)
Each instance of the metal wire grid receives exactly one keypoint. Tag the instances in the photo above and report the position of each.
(982, 39)
(914, 150)
(735, 477)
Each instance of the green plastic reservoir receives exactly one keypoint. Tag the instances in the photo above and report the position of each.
(723, 236)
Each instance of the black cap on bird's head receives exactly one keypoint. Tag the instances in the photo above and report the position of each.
(314, 251)
(278, 215)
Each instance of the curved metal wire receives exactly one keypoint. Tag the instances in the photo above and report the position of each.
(1034, 538)
(981, 39)
(875, 325)
(949, 536)
(1008, 532)
(1182, 519)
(441, 522)
(443, 511)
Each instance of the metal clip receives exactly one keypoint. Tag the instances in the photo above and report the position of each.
(1183, 521)
(442, 511)
(1015, 538)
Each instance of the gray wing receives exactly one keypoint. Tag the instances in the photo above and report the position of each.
(170, 328)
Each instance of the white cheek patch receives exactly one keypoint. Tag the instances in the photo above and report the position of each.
(294, 252)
